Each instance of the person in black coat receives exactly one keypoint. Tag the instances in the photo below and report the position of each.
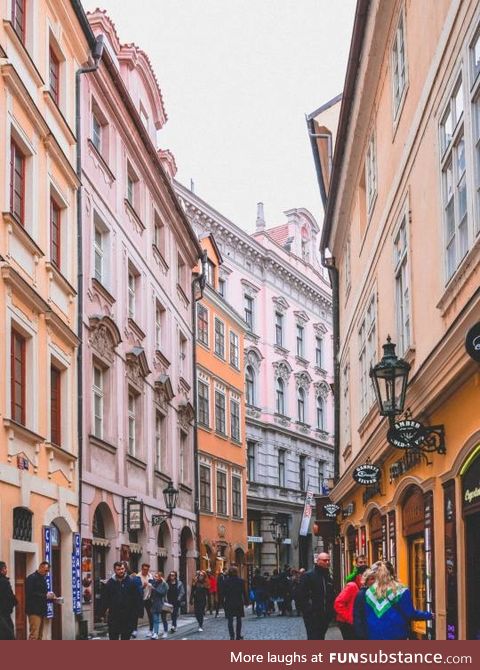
(234, 598)
(122, 600)
(7, 603)
(316, 596)
(37, 596)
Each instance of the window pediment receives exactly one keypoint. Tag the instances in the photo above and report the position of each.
(104, 337)
(302, 317)
(164, 388)
(137, 366)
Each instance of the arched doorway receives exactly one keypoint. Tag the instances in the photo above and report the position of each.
(186, 546)
(102, 524)
(351, 547)
(163, 542)
(56, 576)
(413, 530)
(376, 536)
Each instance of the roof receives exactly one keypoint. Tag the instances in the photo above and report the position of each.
(278, 234)
(325, 106)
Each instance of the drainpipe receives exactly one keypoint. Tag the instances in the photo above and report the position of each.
(198, 282)
(96, 55)
(329, 263)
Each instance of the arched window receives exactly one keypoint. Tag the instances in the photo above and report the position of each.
(301, 405)
(250, 385)
(22, 524)
(320, 413)
(280, 392)
(98, 527)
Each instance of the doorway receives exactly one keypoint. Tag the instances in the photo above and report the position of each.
(56, 568)
(417, 570)
(20, 578)
(472, 532)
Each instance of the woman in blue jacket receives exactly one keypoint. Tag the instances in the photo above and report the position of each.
(389, 608)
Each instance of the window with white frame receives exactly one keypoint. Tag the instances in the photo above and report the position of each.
(221, 492)
(203, 404)
(250, 385)
(251, 461)
(235, 420)
(202, 324)
(219, 338)
(100, 251)
(132, 422)
(98, 396)
(234, 350)
(300, 341)
(475, 100)
(236, 497)
(133, 186)
(371, 172)
(210, 273)
(399, 66)
(301, 405)
(280, 395)
(402, 287)
(159, 322)
(281, 467)
(249, 307)
(222, 287)
(132, 290)
(367, 355)
(159, 439)
(320, 413)
(159, 234)
(205, 489)
(220, 418)
(319, 351)
(279, 329)
(454, 180)
(182, 353)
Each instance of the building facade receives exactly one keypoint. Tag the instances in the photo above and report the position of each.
(138, 254)
(274, 279)
(221, 436)
(401, 239)
(42, 45)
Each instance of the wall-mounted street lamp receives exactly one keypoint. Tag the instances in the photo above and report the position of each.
(170, 495)
(390, 379)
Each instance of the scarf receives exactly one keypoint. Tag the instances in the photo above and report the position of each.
(381, 605)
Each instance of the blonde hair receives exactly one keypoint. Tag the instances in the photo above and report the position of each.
(384, 579)
(366, 575)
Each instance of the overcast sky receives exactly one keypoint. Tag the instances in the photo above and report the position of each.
(237, 78)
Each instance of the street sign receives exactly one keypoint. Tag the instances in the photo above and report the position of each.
(157, 519)
(472, 342)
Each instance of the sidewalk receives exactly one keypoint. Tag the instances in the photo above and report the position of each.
(186, 624)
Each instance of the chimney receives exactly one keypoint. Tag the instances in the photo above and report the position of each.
(260, 224)
(192, 186)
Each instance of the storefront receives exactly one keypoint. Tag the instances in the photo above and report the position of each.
(471, 515)
(376, 537)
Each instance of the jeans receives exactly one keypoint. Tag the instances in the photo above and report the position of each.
(156, 621)
(147, 604)
(199, 614)
(174, 616)
(238, 627)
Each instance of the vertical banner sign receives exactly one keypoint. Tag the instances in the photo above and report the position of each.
(429, 567)
(450, 517)
(47, 556)
(384, 536)
(76, 583)
(342, 553)
(307, 513)
(392, 546)
(363, 540)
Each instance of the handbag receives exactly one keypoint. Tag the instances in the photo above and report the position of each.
(167, 607)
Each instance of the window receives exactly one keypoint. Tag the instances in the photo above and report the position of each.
(132, 182)
(22, 524)
(55, 233)
(159, 439)
(96, 133)
(182, 348)
(132, 423)
(98, 395)
(300, 350)
(219, 338)
(235, 420)
(398, 65)
(19, 18)
(402, 297)
(205, 490)
(301, 405)
(320, 413)
(54, 76)
(132, 287)
(55, 406)
(251, 461)
(454, 182)
(144, 116)
(181, 273)
(159, 318)
(234, 350)
(220, 425)
(301, 467)
(248, 303)
(183, 473)
(367, 356)
(345, 420)
(158, 234)
(203, 404)
(280, 396)
(348, 266)
(221, 492)
(250, 385)
(371, 172)
(202, 324)
(279, 329)
(17, 182)
(319, 352)
(281, 467)
(210, 270)
(475, 55)
(475, 115)
(236, 497)
(222, 287)
(98, 254)
(18, 377)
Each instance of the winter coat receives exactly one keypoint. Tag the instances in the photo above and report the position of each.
(360, 615)
(234, 596)
(259, 585)
(344, 602)
(176, 593)
(198, 596)
(213, 584)
(36, 594)
(389, 618)
(7, 597)
(315, 593)
(137, 580)
(158, 595)
(122, 599)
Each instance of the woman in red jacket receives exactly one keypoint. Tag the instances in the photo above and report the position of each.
(344, 602)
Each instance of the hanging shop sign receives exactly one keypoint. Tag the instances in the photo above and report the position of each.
(367, 474)
(411, 434)
(134, 515)
(348, 510)
(76, 582)
(331, 510)
(472, 342)
(471, 487)
(87, 553)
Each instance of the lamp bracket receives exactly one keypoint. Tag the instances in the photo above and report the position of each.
(413, 435)
(158, 519)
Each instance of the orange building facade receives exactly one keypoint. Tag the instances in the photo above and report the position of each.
(220, 424)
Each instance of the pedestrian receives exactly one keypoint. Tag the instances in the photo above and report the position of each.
(344, 603)
(389, 607)
(7, 603)
(359, 607)
(358, 562)
(199, 596)
(316, 598)
(175, 596)
(259, 588)
(120, 603)
(234, 598)
(212, 593)
(37, 597)
(158, 595)
(145, 577)
(136, 579)
(295, 589)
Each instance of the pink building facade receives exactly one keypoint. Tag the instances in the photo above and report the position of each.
(138, 255)
(274, 279)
